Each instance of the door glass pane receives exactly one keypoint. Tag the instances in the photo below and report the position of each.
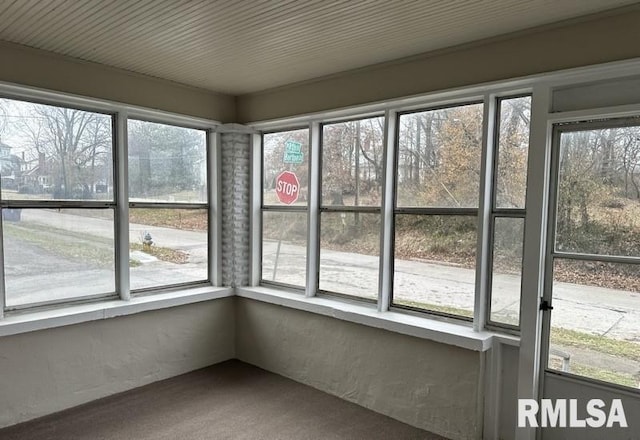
(513, 150)
(598, 208)
(284, 247)
(439, 157)
(168, 247)
(54, 255)
(352, 162)
(167, 163)
(285, 165)
(435, 260)
(595, 322)
(506, 276)
(349, 253)
(54, 153)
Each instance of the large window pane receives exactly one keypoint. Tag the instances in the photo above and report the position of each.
(285, 151)
(599, 192)
(284, 247)
(166, 163)
(507, 270)
(349, 253)
(55, 153)
(595, 322)
(434, 267)
(513, 149)
(168, 246)
(53, 255)
(439, 157)
(352, 162)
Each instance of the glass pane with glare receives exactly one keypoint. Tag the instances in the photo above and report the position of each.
(352, 168)
(435, 260)
(284, 247)
(54, 153)
(166, 163)
(349, 253)
(51, 255)
(598, 203)
(167, 247)
(506, 276)
(439, 157)
(595, 321)
(285, 168)
(513, 151)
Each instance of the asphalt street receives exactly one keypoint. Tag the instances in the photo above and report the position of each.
(595, 310)
(67, 274)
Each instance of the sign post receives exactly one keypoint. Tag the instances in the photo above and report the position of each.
(287, 190)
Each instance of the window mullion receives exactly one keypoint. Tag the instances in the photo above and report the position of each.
(256, 209)
(122, 207)
(533, 258)
(388, 198)
(313, 225)
(484, 213)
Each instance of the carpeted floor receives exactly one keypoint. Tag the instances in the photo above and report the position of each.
(231, 400)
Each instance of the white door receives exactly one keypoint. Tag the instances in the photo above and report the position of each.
(591, 330)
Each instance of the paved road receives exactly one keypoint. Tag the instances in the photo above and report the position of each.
(67, 274)
(595, 310)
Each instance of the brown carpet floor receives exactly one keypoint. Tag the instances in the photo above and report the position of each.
(231, 400)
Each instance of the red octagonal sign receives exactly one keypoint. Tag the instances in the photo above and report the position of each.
(287, 187)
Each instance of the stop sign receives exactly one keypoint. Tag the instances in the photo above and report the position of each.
(287, 187)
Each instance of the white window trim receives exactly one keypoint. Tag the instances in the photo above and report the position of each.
(541, 86)
(75, 314)
(78, 310)
(451, 333)
(487, 93)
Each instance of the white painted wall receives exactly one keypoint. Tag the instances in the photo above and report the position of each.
(426, 384)
(42, 69)
(564, 388)
(508, 392)
(50, 370)
(545, 49)
(597, 94)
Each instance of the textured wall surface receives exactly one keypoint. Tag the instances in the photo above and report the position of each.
(508, 392)
(423, 383)
(236, 182)
(50, 370)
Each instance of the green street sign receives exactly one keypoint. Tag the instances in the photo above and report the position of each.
(293, 157)
(292, 147)
(293, 152)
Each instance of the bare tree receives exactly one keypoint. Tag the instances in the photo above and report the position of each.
(71, 143)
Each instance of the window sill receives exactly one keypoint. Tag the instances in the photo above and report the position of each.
(439, 331)
(76, 314)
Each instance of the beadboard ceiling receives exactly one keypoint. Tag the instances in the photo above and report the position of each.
(244, 46)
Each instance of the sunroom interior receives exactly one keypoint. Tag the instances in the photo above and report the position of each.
(426, 209)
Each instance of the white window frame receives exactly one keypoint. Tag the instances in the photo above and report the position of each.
(120, 114)
(488, 98)
(210, 150)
